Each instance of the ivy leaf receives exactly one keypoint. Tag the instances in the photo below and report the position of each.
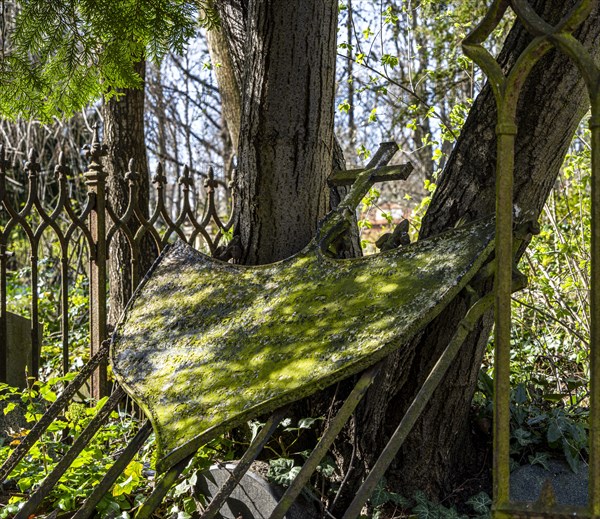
(480, 503)
(10, 407)
(307, 423)
(189, 505)
(425, 511)
(523, 437)
(255, 426)
(572, 455)
(554, 433)
(380, 495)
(540, 458)
(124, 487)
(420, 498)
(134, 469)
(182, 488)
(282, 471)
(65, 503)
(538, 418)
(400, 500)
(520, 394)
(451, 513)
(47, 393)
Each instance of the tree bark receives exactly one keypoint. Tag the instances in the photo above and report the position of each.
(286, 138)
(125, 137)
(229, 50)
(228, 81)
(553, 101)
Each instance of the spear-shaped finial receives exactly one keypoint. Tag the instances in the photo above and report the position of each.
(185, 180)
(132, 176)
(96, 150)
(159, 178)
(209, 182)
(95, 175)
(61, 170)
(32, 166)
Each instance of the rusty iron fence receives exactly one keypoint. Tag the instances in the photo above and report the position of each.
(72, 227)
(506, 88)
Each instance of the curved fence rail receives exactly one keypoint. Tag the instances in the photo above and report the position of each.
(75, 231)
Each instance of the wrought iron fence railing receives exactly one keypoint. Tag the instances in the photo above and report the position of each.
(65, 230)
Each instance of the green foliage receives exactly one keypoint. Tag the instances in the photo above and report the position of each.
(550, 335)
(481, 503)
(90, 465)
(283, 471)
(478, 506)
(97, 457)
(539, 429)
(288, 450)
(49, 307)
(287, 437)
(406, 64)
(61, 55)
(552, 315)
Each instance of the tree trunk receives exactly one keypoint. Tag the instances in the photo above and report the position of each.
(229, 88)
(553, 101)
(286, 138)
(234, 21)
(125, 138)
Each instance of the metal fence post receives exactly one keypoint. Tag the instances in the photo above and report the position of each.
(95, 179)
(33, 169)
(3, 273)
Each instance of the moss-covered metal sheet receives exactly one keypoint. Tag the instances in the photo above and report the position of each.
(205, 345)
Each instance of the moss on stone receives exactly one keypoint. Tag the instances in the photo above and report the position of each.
(206, 345)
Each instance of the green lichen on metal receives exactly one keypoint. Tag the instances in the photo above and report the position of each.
(205, 345)
(507, 90)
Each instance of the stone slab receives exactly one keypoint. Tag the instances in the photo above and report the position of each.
(19, 349)
(570, 488)
(205, 345)
(253, 498)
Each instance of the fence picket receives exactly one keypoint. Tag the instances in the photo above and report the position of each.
(95, 225)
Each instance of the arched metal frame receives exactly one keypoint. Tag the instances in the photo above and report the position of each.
(506, 90)
(96, 225)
